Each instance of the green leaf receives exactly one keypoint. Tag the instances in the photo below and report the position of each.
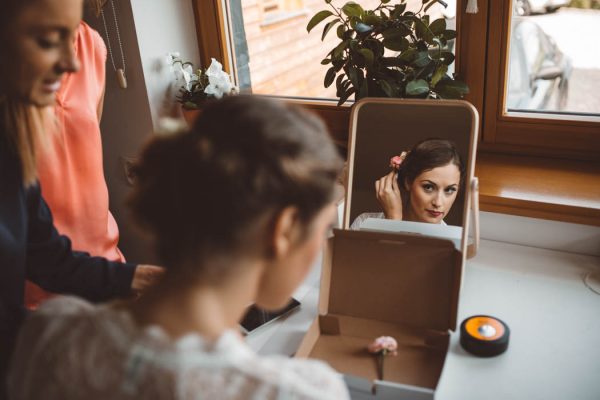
(423, 31)
(439, 74)
(317, 19)
(398, 10)
(399, 31)
(438, 26)
(372, 19)
(368, 56)
(394, 38)
(447, 57)
(328, 27)
(392, 62)
(396, 43)
(329, 77)
(416, 88)
(353, 9)
(363, 91)
(449, 34)
(353, 76)
(422, 59)
(451, 89)
(349, 92)
(430, 4)
(408, 55)
(386, 87)
(338, 51)
(340, 31)
(325, 61)
(339, 85)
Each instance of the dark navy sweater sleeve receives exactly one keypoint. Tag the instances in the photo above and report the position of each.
(53, 265)
(30, 247)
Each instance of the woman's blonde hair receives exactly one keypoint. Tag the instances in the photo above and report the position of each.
(23, 127)
(22, 124)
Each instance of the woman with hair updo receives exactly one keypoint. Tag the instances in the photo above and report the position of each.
(238, 209)
(422, 185)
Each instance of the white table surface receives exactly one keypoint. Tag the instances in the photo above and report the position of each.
(554, 350)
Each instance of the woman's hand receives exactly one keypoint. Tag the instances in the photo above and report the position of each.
(388, 196)
(146, 276)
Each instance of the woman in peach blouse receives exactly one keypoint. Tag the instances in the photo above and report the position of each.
(70, 167)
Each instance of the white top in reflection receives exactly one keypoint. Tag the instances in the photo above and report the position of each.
(453, 233)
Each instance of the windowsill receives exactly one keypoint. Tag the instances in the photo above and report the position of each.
(554, 189)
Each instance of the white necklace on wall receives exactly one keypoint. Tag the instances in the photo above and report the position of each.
(120, 72)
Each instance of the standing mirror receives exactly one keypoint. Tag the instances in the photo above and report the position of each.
(383, 128)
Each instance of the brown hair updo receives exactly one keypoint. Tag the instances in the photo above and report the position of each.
(215, 189)
(427, 155)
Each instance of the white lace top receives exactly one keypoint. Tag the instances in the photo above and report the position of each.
(70, 349)
(357, 223)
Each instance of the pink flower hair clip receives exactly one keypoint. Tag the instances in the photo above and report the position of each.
(396, 161)
(382, 346)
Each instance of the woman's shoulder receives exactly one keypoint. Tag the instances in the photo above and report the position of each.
(67, 318)
(312, 379)
(94, 40)
(234, 371)
(284, 377)
(73, 336)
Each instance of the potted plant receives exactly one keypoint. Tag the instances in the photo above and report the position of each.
(388, 52)
(198, 86)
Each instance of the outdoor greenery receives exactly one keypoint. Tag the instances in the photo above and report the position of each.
(594, 4)
(388, 52)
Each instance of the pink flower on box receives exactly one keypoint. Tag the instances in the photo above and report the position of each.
(383, 346)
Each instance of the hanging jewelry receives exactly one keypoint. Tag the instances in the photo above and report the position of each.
(120, 72)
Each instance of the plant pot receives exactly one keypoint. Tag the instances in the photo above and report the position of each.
(190, 115)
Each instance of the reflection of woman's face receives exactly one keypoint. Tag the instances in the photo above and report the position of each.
(41, 43)
(432, 194)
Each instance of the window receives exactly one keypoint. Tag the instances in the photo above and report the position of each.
(542, 90)
(496, 55)
(274, 11)
(275, 55)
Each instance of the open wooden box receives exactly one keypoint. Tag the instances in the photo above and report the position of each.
(399, 283)
(376, 284)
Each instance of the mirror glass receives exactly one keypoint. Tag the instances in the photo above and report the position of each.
(384, 128)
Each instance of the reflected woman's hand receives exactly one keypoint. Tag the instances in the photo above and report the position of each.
(388, 195)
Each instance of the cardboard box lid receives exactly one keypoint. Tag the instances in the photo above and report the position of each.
(392, 277)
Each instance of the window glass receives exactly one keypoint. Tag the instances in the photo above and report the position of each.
(554, 65)
(275, 55)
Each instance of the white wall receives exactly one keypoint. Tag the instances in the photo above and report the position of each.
(562, 236)
(163, 26)
(149, 29)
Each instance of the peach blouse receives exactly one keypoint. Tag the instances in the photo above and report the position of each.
(70, 168)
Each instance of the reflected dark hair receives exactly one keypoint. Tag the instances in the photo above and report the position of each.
(427, 155)
(216, 189)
